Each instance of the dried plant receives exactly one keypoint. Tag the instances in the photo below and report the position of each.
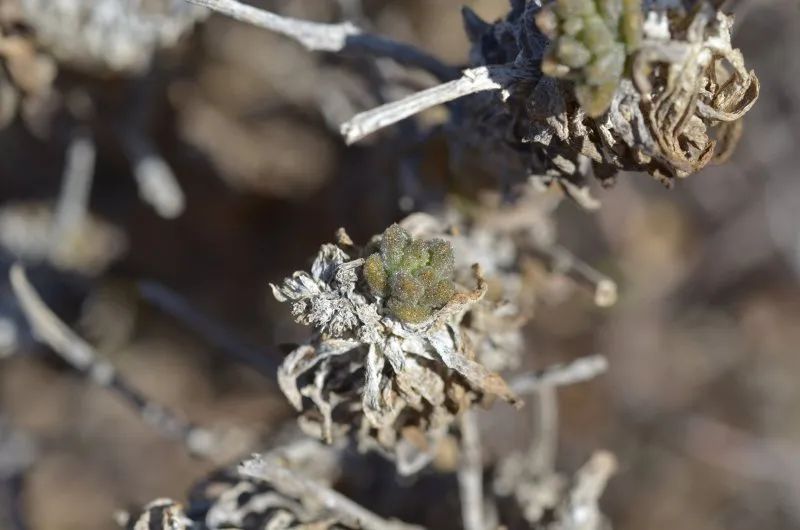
(400, 384)
(285, 488)
(409, 331)
(675, 108)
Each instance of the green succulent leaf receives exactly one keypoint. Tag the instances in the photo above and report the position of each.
(414, 276)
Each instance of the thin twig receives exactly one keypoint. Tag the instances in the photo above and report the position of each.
(157, 183)
(565, 262)
(580, 510)
(17, 454)
(209, 328)
(472, 81)
(470, 474)
(577, 371)
(341, 37)
(50, 330)
(76, 185)
(544, 448)
(286, 481)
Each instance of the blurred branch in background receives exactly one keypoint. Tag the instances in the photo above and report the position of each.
(341, 38)
(263, 360)
(17, 454)
(50, 330)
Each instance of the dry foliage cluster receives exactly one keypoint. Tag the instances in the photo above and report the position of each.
(410, 335)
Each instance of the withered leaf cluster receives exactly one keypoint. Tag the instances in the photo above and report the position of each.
(675, 108)
(398, 385)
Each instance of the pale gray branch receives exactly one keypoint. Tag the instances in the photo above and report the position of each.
(286, 481)
(470, 474)
(472, 81)
(544, 447)
(579, 370)
(565, 262)
(341, 37)
(580, 510)
(156, 181)
(76, 185)
(52, 331)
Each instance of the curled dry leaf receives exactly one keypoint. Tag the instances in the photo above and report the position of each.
(399, 386)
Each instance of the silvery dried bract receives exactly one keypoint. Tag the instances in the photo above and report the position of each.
(108, 36)
(661, 91)
(553, 501)
(227, 499)
(399, 384)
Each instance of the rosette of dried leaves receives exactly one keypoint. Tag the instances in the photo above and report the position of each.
(605, 85)
(397, 373)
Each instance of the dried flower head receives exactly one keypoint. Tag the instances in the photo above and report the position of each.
(399, 383)
(415, 276)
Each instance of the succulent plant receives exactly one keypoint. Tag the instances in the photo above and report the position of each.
(414, 276)
(590, 41)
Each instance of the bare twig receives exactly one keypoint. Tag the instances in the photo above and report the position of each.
(580, 510)
(470, 474)
(544, 448)
(579, 370)
(341, 37)
(17, 454)
(565, 262)
(50, 330)
(157, 183)
(266, 362)
(76, 185)
(286, 481)
(472, 81)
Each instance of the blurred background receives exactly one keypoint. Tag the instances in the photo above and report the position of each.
(699, 405)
